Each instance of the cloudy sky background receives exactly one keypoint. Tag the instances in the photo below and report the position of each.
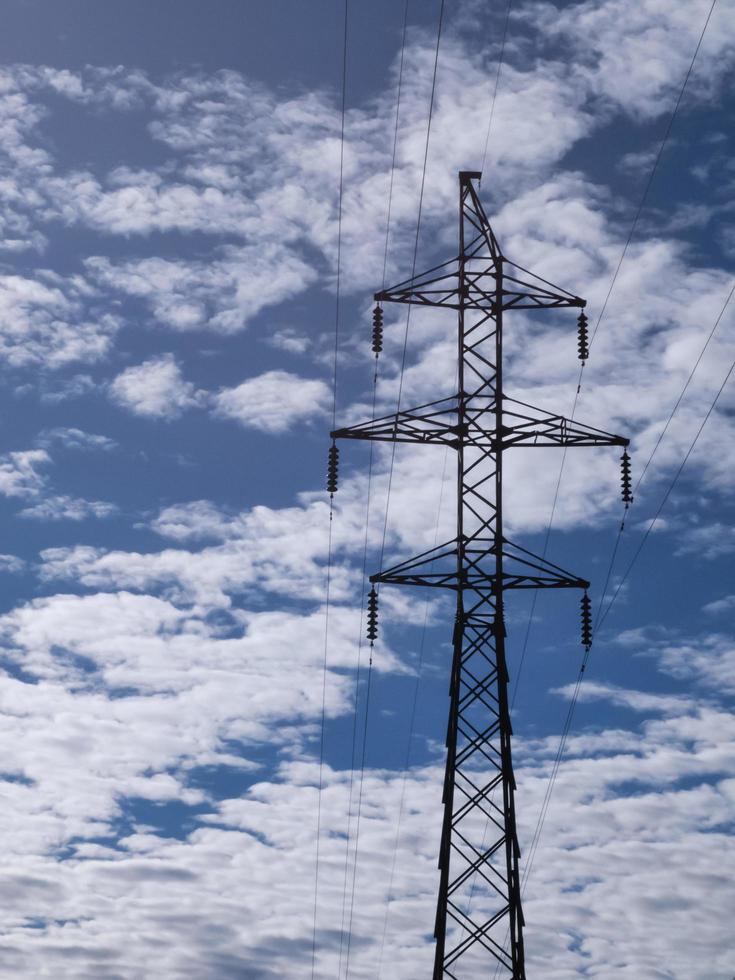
(169, 178)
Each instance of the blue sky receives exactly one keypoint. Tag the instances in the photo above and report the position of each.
(169, 179)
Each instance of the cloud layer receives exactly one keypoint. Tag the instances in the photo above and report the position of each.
(166, 656)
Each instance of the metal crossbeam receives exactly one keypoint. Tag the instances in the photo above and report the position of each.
(437, 423)
(479, 921)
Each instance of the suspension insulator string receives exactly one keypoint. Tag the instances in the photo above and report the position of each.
(586, 621)
(377, 344)
(372, 616)
(583, 346)
(332, 469)
(625, 479)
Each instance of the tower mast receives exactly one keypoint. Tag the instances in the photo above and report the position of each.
(479, 920)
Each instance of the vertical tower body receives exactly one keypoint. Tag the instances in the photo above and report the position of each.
(479, 922)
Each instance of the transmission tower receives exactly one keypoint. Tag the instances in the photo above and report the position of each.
(479, 921)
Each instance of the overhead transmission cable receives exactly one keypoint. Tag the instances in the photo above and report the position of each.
(353, 755)
(601, 619)
(656, 162)
(413, 271)
(337, 313)
(639, 210)
(654, 451)
(423, 633)
(603, 309)
(392, 459)
(678, 473)
(496, 83)
(585, 659)
(411, 726)
(628, 241)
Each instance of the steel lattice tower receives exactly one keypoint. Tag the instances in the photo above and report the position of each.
(479, 921)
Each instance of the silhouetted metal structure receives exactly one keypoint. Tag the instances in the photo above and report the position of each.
(479, 921)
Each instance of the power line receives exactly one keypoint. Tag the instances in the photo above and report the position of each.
(337, 312)
(674, 480)
(628, 241)
(367, 526)
(601, 314)
(654, 168)
(413, 269)
(395, 139)
(568, 720)
(392, 460)
(684, 390)
(411, 725)
(497, 81)
(601, 619)
(655, 450)
(356, 697)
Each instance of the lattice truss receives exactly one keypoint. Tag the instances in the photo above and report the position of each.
(479, 922)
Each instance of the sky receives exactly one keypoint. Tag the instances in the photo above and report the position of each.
(170, 253)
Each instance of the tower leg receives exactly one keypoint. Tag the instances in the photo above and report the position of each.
(479, 906)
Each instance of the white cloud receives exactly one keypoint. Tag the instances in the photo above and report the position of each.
(707, 541)
(274, 401)
(290, 340)
(155, 388)
(708, 660)
(75, 439)
(596, 875)
(74, 387)
(197, 690)
(11, 563)
(62, 507)
(52, 320)
(641, 701)
(636, 53)
(19, 193)
(20, 474)
(280, 552)
(144, 688)
(222, 294)
(194, 521)
(725, 604)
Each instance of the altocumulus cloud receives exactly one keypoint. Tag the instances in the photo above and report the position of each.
(273, 401)
(155, 388)
(175, 793)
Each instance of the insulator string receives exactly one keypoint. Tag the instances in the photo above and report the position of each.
(586, 621)
(333, 469)
(583, 347)
(372, 616)
(377, 344)
(626, 483)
